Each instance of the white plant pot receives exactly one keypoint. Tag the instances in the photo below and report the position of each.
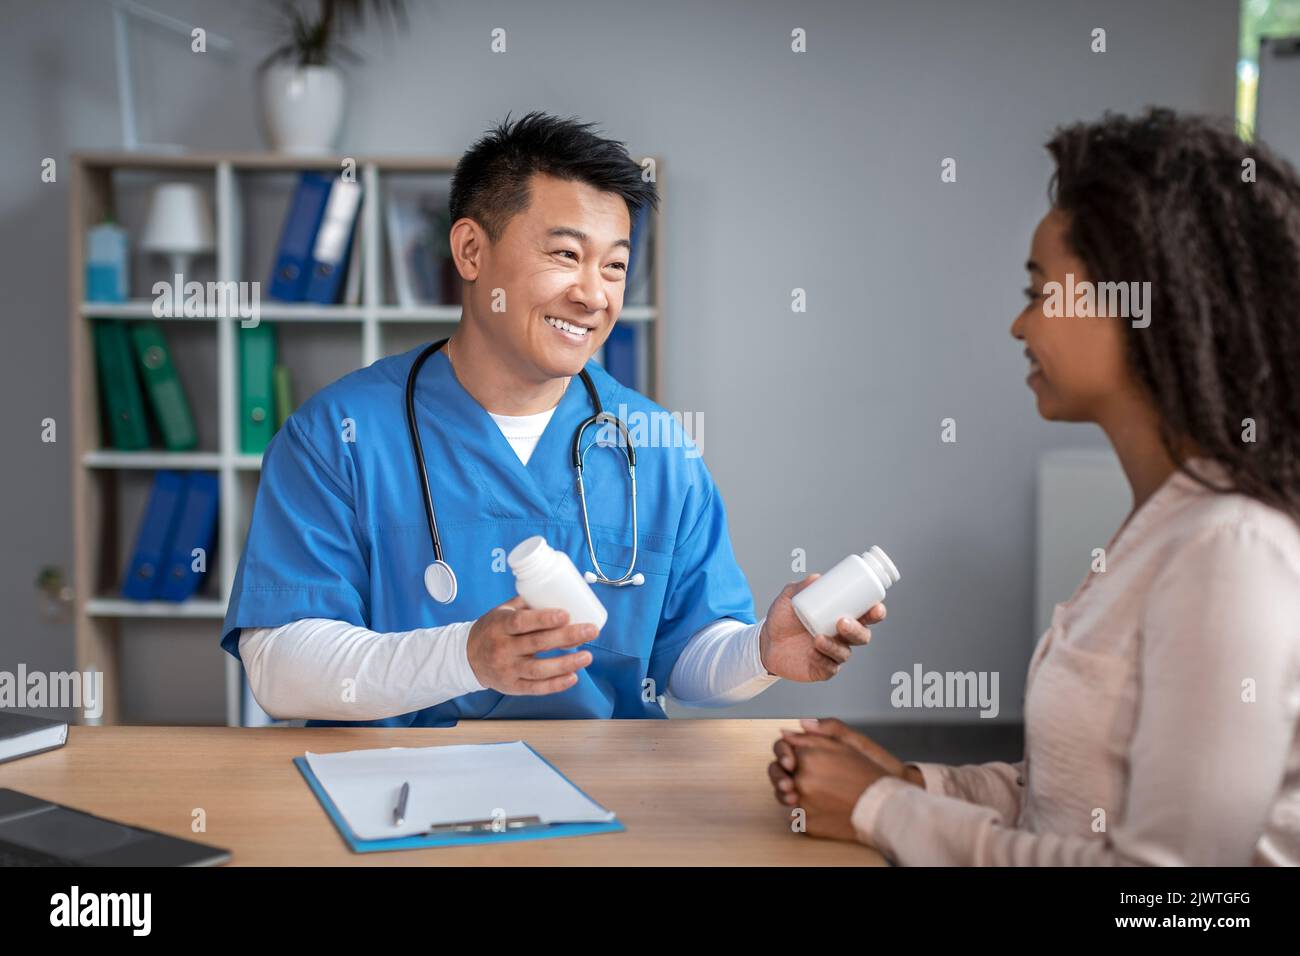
(302, 107)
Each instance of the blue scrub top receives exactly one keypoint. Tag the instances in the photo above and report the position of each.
(338, 530)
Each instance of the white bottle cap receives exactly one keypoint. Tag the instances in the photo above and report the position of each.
(529, 555)
(879, 562)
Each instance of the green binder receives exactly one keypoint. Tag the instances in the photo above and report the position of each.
(170, 409)
(118, 388)
(256, 387)
(283, 395)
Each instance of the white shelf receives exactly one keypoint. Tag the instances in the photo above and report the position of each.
(267, 311)
(132, 309)
(197, 460)
(121, 607)
(309, 312)
(177, 460)
(418, 313)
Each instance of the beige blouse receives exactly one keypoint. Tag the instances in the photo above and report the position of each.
(1162, 710)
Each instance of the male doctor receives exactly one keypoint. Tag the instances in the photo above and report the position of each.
(330, 614)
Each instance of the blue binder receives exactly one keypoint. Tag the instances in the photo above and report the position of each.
(298, 236)
(622, 358)
(195, 528)
(333, 243)
(357, 845)
(153, 540)
(622, 352)
(636, 286)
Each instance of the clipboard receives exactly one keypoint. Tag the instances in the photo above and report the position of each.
(421, 840)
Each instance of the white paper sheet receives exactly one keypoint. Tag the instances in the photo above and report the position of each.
(448, 785)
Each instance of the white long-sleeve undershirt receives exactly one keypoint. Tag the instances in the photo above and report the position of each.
(332, 670)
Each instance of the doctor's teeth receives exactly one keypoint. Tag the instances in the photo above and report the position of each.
(565, 326)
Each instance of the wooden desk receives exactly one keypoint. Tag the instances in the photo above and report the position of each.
(689, 792)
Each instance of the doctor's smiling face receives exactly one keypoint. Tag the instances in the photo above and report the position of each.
(561, 266)
(541, 213)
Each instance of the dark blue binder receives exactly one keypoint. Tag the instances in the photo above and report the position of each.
(621, 354)
(153, 540)
(195, 528)
(636, 285)
(297, 237)
(336, 232)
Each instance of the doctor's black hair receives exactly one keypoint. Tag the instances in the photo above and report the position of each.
(491, 181)
(1166, 198)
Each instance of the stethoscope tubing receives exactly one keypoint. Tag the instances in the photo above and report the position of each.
(600, 416)
(417, 446)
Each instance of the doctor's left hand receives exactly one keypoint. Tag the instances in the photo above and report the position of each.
(789, 651)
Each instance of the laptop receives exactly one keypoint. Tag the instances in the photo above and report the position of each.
(35, 832)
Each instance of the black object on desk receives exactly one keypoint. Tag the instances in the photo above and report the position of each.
(35, 832)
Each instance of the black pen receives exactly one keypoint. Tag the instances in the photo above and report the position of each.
(399, 811)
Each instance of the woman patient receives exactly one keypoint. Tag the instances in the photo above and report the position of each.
(1162, 707)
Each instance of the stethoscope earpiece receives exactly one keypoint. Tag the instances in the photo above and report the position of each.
(635, 580)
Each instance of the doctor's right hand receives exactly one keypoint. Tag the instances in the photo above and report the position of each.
(504, 643)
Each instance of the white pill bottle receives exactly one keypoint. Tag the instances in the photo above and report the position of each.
(849, 589)
(547, 578)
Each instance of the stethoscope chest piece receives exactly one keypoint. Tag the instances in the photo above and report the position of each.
(440, 582)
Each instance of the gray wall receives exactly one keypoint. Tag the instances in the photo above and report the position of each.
(817, 170)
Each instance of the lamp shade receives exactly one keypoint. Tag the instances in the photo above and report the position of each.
(179, 220)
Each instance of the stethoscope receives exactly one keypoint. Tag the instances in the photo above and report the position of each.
(439, 578)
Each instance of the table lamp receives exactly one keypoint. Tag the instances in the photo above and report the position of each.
(179, 224)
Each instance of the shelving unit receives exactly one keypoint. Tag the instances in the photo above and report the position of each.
(100, 528)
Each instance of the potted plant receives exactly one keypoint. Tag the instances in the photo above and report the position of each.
(301, 86)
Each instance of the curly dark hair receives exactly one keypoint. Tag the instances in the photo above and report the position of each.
(1166, 198)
